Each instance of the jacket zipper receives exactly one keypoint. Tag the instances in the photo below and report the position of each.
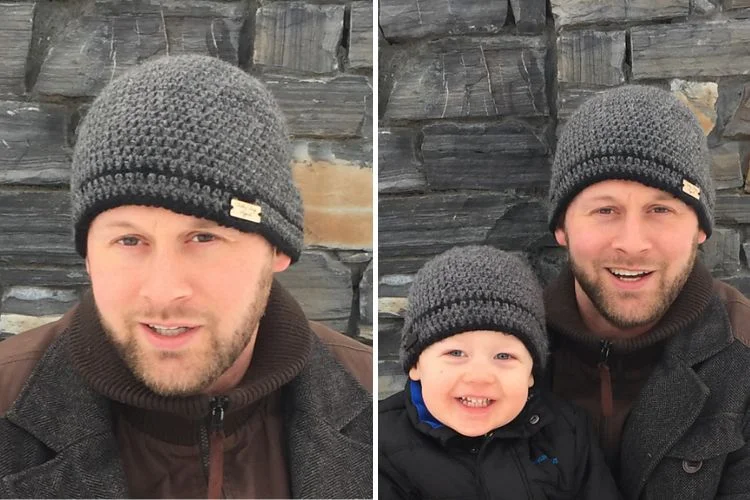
(605, 380)
(212, 446)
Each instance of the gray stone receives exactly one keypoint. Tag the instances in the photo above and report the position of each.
(570, 98)
(16, 27)
(394, 285)
(732, 208)
(36, 229)
(357, 151)
(389, 337)
(398, 165)
(322, 286)
(439, 221)
(323, 107)
(739, 124)
(569, 12)
(48, 276)
(401, 19)
(366, 296)
(34, 301)
(721, 252)
(725, 166)
(746, 250)
(391, 378)
(702, 7)
(360, 35)
(299, 36)
(471, 77)
(33, 150)
(485, 156)
(95, 48)
(736, 4)
(591, 57)
(690, 50)
(530, 15)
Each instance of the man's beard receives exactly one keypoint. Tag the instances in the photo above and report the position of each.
(606, 303)
(219, 356)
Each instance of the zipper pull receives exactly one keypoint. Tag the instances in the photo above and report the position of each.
(605, 379)
(218, 405)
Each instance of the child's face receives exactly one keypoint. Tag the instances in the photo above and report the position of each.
(475, 381)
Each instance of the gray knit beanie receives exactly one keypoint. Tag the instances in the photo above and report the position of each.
(195, 135)
(637, 133)
(474, 288)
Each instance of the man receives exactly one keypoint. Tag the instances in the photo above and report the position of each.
(187, 371)
(642, 336)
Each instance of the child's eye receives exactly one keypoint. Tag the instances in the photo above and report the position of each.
(456, 353)
(503, 355)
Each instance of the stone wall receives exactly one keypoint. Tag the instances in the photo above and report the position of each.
(472, 96)
(316, 57)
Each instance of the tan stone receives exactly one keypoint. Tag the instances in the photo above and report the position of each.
(17, 323)
(392, 306)
(338, 203)
(701, 98)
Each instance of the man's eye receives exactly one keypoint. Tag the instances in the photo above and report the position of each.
(661, 210)
(204, 238)
(605, 211)
(129, 241)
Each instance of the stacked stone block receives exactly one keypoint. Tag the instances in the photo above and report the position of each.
(471, 105)
(316, 57)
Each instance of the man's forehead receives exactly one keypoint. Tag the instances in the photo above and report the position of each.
(619, 190)
(136, 216)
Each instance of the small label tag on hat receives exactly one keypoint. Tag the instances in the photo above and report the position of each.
(246, 211)
(691, 189)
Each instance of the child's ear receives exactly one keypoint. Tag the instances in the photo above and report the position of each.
(531, 380)
(414, 372)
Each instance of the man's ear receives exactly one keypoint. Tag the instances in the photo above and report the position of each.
(702, 236)
(280, 261)
(561, 236)
(88, 268)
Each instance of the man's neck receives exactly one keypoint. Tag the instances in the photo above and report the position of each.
(600, 326)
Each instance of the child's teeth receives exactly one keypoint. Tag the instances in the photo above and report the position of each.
(475, 402)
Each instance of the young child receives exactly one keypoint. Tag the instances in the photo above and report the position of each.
(470, 423)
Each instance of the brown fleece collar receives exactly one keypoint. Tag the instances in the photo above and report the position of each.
(282, 350)
(564, 318)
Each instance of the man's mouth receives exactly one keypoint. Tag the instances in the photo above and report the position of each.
(628, 274)
(474, 402)
(168, 331)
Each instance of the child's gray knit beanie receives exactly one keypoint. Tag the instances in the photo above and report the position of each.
(474, 288)
(195, 135)
(637, 133)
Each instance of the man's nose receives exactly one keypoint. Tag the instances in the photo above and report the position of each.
(632, 235)
(166, 278)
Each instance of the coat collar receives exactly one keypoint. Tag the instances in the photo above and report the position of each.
(328, 415)
(75, 423)
(649, 434)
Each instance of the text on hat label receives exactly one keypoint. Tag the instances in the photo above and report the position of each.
(246, 211)
(691, 189)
